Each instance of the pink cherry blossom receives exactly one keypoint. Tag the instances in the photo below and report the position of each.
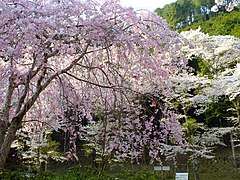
(67, 60)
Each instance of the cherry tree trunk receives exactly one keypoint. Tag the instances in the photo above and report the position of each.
(3, 128)
(7, 137)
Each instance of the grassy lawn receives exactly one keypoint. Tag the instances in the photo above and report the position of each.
(219, 168)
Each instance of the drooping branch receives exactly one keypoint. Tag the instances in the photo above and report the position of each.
(96, 67)
(89, 82)
(106, 41)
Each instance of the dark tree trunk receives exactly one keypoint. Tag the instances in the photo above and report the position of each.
(196, 171)
(8, 139)
(3, 127)
(236, 103)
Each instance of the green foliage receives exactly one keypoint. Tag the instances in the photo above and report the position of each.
(177, 13)
(36, 155)
(220, 168)
(218, 112)
(19, 174)
(203, 3)
(170, 13)
(85, 173)
(201, 67)
(51, 148)
(184, 12)
(227, 24)
(190, 125)
(78, 173)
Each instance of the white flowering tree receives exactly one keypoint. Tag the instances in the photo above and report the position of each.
(225, 5)
(222, 54)
(188, 92)
(194, 89)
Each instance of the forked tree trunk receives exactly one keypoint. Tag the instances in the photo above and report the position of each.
(8, 132)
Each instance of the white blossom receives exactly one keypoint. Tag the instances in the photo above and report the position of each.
(214, 8)
(229, 7)
(219, 51)
(219, 2)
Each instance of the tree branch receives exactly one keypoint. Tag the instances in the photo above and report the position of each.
(92, 83)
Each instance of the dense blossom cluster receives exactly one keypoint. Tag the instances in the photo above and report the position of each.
(222, 54)
(88, 55)
(195, 91)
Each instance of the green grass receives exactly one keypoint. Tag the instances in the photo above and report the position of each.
(219, 168)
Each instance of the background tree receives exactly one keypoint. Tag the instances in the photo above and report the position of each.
(208, 96)
(171, 13)
(188, 12)
(202, 8)
(227, 24)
